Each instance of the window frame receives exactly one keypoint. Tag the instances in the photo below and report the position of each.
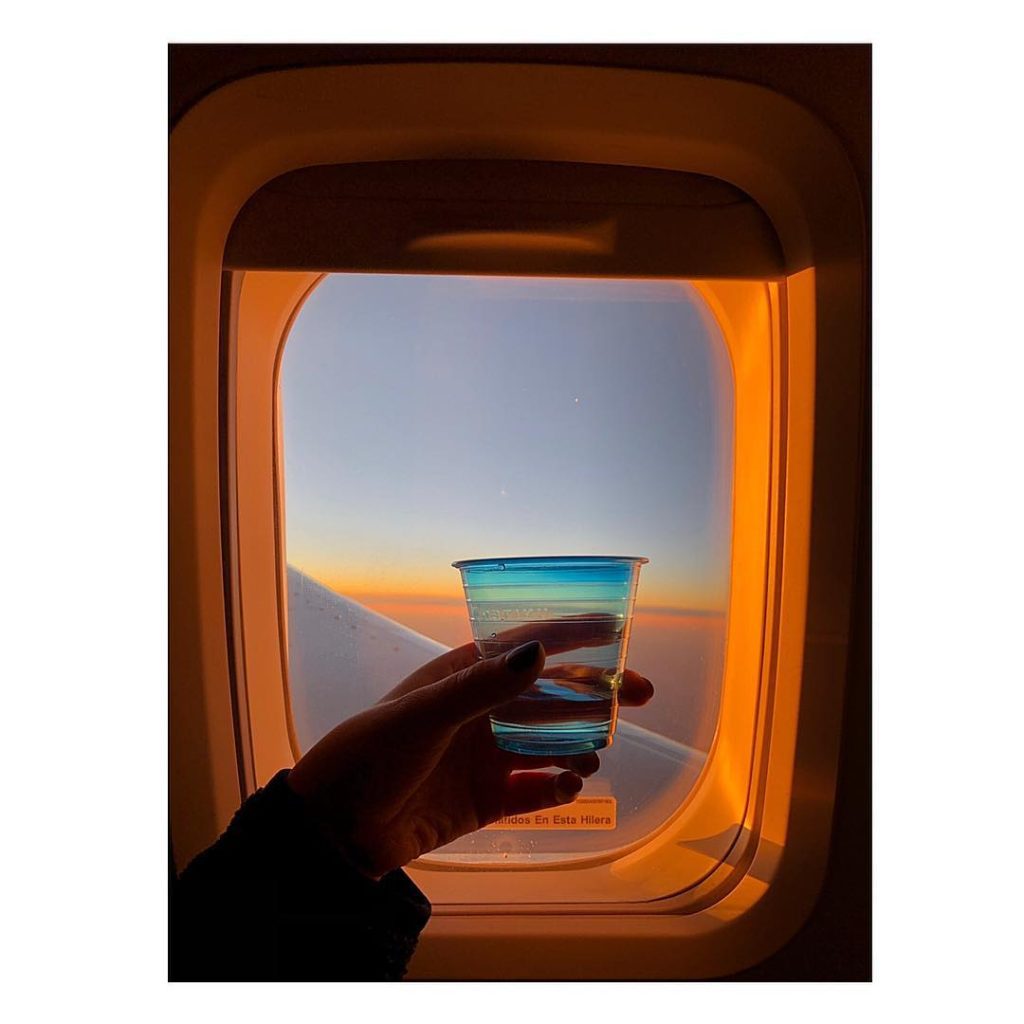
(704, 125)
(692, 843)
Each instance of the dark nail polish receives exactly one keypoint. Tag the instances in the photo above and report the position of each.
(523, 657)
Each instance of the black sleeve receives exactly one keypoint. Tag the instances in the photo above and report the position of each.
(271, 900)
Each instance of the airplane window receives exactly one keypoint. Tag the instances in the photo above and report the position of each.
(431, 418)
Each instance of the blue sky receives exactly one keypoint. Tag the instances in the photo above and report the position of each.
(432, 418)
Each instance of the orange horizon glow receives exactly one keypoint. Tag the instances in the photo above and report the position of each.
(386, 485)
(414, 597)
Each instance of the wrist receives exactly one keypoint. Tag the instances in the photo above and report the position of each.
(329, 828)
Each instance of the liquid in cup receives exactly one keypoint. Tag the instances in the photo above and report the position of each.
(580, 607)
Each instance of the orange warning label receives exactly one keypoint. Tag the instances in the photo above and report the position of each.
(585, 812)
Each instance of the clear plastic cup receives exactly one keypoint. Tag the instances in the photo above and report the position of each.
(580, 607)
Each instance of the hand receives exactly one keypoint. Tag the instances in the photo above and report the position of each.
(421, 768)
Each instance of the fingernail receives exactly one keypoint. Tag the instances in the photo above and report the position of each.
(523, 657)
(567, 787)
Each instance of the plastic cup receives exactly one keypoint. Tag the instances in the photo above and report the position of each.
(580, 607)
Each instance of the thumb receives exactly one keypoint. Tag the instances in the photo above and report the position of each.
(486, 684)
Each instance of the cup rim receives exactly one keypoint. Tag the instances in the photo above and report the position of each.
(527, 559)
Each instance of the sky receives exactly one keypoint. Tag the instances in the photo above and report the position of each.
(431, 418)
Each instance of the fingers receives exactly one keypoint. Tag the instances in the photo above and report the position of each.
(475, 689)
(442, 666)
(451, 661)
(584, 765)
(565, 634)
(636, 689)
(533, 791)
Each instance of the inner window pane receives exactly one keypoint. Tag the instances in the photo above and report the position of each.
(432, 418)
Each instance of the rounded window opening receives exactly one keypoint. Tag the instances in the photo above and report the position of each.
(431, 418)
